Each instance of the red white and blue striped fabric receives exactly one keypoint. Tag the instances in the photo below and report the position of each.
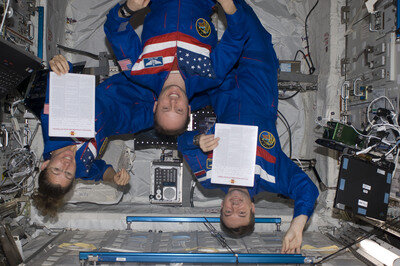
(160, 52)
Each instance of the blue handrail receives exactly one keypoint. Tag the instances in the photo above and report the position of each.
(151, 257)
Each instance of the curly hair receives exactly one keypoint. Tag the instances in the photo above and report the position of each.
(175, 132)
(49, 197)
(240, 231)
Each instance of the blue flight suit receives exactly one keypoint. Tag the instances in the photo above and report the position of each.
(178, 31)
(249, 96)
(121, 107)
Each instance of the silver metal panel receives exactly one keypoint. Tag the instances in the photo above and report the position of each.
(63, 251)
(372, 56)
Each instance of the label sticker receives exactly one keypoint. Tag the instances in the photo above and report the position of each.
(365, 186)
(363, 203)
(362, 211)
(380, 171)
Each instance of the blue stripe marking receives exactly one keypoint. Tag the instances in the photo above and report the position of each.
(389, 178)
(345, 163)
(130, 219)
(386, 200)
(40, 10)
(342, 184)
(362, 211)
(398, 18)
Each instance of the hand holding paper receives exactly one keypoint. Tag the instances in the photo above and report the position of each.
(235, 156)
(208, 142)
(72, 105)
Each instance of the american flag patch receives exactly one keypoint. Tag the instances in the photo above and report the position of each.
(160, 52)
(46, 109)
(125, 64)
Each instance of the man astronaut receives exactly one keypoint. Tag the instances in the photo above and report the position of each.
(121, 107)
(249, 96)
(177, 55)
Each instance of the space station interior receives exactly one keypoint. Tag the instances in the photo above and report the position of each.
(338, 120)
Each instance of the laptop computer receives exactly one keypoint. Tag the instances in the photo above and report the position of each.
(16, 65)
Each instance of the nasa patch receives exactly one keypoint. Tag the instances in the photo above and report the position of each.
(153, 61)
(267, 140)
(203, 27)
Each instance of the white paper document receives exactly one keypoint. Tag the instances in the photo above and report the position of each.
(72, 105)
(234, 158)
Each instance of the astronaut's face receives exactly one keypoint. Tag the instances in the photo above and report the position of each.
(61, 167)
(237, 207)
(172, 108)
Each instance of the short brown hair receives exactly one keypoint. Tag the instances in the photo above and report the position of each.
(240, 231)
(175, 132)
(49, 197)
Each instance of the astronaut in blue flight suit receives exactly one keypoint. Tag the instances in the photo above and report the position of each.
(177, 55)
(249, 96)
(121, 107)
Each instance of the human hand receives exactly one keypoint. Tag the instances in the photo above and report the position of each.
(122, 178)
(228, 6)
(208, 142)
(294, 236)
(136, 5)
(59, 65)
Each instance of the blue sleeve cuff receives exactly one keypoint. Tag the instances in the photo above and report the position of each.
(70, 67)
(97, 170)
(235, 22)
(185, 141)
(306, 204)
(113, 14)
(302, 209)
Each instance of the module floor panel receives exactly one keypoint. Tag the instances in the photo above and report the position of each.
(64, 250)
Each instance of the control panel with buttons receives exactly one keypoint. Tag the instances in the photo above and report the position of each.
(166, 187)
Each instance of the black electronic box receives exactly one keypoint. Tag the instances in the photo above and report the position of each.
(364, 187)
